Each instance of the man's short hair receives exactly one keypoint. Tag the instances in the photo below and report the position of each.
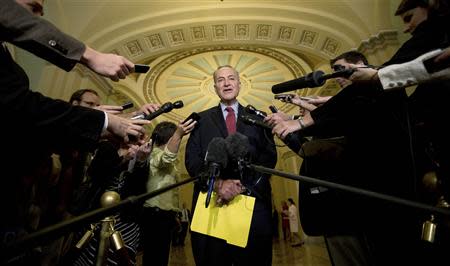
(406, 5)
(76, 96)
(352, 57)
(224, 66)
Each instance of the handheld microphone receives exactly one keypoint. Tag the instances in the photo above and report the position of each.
(311, 80)
(252, 121)
(165, 108)
(216, 158)
(252, 110)
(255, 122)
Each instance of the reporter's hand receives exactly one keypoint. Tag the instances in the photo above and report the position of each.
(317, 100)
(272, 119)
(144, 151)
(305, 104)
(112, 66)
(443, 57)
(123, 127)
(149, 108)
(362, 74)
(146, 109)
(185, 128)
(282, 128)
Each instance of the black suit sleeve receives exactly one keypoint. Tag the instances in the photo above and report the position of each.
(38, 36)
(194, 151)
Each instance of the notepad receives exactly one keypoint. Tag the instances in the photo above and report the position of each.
(230, 222)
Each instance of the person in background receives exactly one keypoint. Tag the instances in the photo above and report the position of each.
(185, 219)
(160, 212)
(294, 225)
(285, 221)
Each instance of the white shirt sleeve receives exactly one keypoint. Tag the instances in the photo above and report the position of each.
(410, 73)
(105, 124)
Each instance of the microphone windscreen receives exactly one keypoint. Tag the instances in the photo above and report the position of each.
(237, 145)
(217, 152)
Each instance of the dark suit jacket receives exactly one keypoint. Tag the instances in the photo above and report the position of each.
(262, 149)
(38, 36)
(34, 125)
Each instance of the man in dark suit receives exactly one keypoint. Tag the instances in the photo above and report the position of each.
(213, 123)
(35, 125)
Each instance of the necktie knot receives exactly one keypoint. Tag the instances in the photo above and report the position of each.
(230, 120)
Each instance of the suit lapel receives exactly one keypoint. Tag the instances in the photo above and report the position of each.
(219, 122)
(240, 126)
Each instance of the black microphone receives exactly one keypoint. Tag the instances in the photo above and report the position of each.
(165, 108)
(238, 147)
(311, 80)
(216, 159)
(252, 121)
(255, 122)
(252, 110)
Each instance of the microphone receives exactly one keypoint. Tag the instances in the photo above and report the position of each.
(252, 110)
(311, 80)
(255, 122)
(165, 108)
(238, 148)
(216, 159)
(252, 121)
(237, 145)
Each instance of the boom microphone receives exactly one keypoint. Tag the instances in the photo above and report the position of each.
(311, 80)
(216, 159)
(165, 108)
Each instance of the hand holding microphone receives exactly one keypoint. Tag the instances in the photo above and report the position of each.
(165, 108)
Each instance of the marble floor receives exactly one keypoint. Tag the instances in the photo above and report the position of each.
(312, 253)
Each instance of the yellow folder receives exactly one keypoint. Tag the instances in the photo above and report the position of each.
(230, 222)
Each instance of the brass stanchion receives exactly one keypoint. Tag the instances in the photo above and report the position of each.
(108, 232)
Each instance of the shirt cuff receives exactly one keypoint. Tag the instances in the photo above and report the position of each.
(105, 124)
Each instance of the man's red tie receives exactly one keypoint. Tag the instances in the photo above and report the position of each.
(230, 120)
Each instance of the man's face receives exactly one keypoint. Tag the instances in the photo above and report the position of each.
(413, 17)
(36, 7)
(88, 99)
(227, 84)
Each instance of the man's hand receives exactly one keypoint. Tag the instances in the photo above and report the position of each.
(282, 128)
(363, 74)
(228, 189)
(272, 119)
(112, 66)
(123, 127)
